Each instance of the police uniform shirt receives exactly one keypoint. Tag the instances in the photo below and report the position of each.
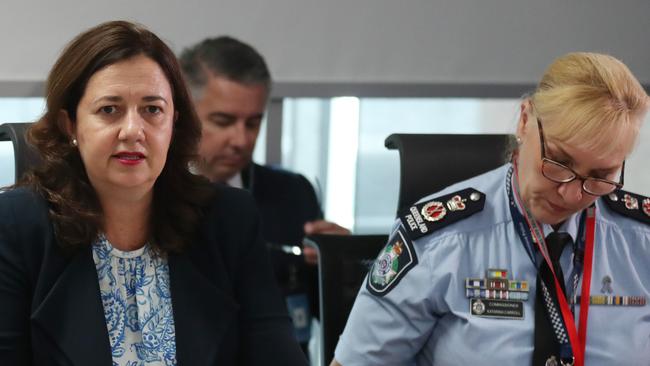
(426, 319)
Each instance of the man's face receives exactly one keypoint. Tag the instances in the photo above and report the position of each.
(231, 114)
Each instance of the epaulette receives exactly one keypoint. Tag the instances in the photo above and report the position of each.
(426, 217)
(629, 204)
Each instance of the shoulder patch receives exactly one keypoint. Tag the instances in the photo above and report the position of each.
(392, 263)
(427, 217)
(629, 204)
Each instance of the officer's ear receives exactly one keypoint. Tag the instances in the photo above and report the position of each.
(524, 118)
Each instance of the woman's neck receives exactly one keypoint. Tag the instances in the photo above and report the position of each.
(127, 220)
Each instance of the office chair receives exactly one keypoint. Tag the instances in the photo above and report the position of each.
(25, 156)
(429, 163)
(343, 262)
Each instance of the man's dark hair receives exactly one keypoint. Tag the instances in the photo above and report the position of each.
(226, 57)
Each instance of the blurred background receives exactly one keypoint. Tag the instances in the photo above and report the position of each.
(349, 73)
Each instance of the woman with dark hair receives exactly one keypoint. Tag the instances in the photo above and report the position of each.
(112, 250)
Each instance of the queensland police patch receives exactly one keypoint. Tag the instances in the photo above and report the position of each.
(428, 216)
(392, 263)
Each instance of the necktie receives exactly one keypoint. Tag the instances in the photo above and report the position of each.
(546, 344)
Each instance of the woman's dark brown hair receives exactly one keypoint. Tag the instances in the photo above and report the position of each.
(179, 196)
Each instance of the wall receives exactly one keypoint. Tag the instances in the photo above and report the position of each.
(412, 41)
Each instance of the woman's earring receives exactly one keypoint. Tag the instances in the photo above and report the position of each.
(518, 140)
(74, 142)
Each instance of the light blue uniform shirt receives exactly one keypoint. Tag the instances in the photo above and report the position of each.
(426, 318)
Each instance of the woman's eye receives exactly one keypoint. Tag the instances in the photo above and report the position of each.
(109, 109)
(614, 176)
(153, 109)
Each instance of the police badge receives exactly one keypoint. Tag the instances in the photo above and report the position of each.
(392, 263)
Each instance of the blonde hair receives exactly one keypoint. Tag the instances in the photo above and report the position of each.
(590, 100)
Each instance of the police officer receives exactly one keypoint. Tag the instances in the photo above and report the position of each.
(542, 261)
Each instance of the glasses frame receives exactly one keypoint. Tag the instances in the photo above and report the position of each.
(584, 179)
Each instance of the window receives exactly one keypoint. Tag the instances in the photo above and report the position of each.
(338, 144)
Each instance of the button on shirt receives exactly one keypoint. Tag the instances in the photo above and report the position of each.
(137, 303)
(426, 318)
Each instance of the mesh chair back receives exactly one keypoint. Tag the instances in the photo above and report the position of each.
(343, 262)
(429, 163)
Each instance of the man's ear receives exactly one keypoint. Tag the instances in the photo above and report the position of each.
(66, 124)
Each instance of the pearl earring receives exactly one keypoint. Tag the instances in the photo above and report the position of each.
(74, 142)
(518, 140)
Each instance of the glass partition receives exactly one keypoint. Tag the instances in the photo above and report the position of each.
(321, 143)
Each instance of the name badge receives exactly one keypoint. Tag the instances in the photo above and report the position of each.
(502, 309)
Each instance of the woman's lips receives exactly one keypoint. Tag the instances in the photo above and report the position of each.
(129, 158)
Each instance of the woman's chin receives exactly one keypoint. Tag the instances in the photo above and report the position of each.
(548, 214)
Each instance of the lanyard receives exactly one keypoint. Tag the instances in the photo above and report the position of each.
(531, 236)
(528, 241)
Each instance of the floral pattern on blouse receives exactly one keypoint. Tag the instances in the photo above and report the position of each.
(137, 303)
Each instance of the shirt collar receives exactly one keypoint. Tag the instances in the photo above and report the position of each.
(236, 181)
(569, 226)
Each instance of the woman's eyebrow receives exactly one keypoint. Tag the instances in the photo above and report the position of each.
(557, 151)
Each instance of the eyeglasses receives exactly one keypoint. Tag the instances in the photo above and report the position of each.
(560, 173)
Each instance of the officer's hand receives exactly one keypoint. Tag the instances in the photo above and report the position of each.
(320, 227)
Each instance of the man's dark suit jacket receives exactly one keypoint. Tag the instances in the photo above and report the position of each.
(227, 309)
(286, 202)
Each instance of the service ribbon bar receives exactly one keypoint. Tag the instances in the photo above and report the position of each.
(613, 300)
(474, 293)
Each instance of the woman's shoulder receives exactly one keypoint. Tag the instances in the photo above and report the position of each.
(21, 203)
(627, 210)
(472, 205)
(24, 222)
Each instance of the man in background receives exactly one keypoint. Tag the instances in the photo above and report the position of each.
(231, 84)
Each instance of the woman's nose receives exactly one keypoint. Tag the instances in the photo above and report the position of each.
(132, 127)
(572, 191)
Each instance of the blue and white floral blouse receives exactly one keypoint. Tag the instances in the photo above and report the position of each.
(137, 304)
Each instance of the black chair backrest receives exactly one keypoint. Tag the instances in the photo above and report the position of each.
(25, 156)
(343, 262)
(430, 163)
